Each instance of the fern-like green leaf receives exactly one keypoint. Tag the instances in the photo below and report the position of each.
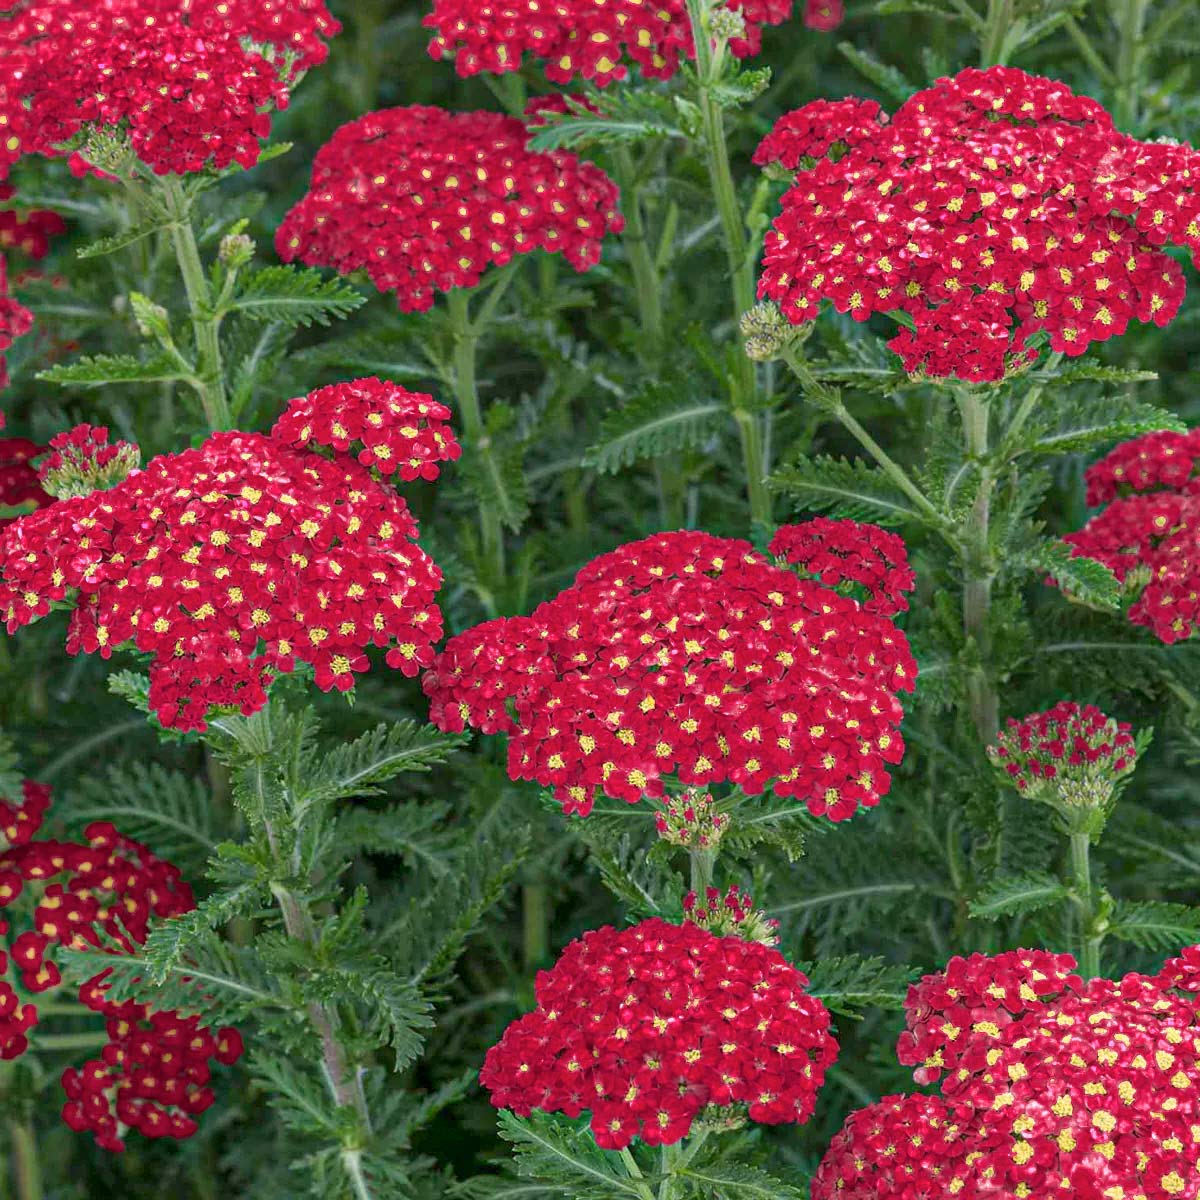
(851, 985)
(294, 296)
(357, 768)
(551, 1148)
(101, 369)
(653, 424)
(624, 116)
(170, 811)
(1072, 427)
(1156, 925)
(1018, 894)
(726, 1180)
(889, 80)
(119, 241)
(412, 832)
(1082, 579)
(845, 489)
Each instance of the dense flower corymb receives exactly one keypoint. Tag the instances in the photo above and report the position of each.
(992, 206)
(594, 39)
(646, 1027)
(1149, 532)
(691, 655)
(153, 1074)
(1071, 754)
(191, 81)
(1050, 1086)
(232, 561)
(425, 200)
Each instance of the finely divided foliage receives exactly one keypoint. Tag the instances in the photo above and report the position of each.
(787, 445)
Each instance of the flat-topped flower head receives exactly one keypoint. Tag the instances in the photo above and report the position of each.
(648, 1027)
(101, 893)
(992, 206)
(424, 200)
(1049, 1086)
(691, 656)
(597, 39)
(190, 83)
(82, 460)
(1071, 756)
(1148, 533)
(229, 563)
(393, 430)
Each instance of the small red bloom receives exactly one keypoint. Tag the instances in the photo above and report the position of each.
(426, 200)
(645, 1027)
(690, 655)
(812, 131)
(991, 206)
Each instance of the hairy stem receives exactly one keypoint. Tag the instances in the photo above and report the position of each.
(702, 864)
(978, 568)
(345, 1083)
(743, 383)
(1089, 941)
(466, 341)
(646, 280)
(535, 924)
(992, 51)
(205, 322)
(1129, 16)
(635, 1173)
(27, 1169)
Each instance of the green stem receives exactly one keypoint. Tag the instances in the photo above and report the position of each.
(635, 1173)
(27, 1170)
(466, 340)
(535, 921)
(702, 864)
(992, 50)
(345, 1083)
(978, 569)
(1029, 403)
(743, 383)
(1129, 16)
(646, 280)
(1089, 941)
(205, 322)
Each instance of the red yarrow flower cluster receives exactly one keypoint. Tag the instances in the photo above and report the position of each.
(102, 893)
(1051, 1086)
(810, 132)
(15, 321)
(29, 231)
(838, 553)
(594, 39)
(1148, 533)
(19, 484)
(992, 206)
(689, 655)
(647, 1027)
(1071, 754)
(192, 82)
(230, 563)
(395, 431)
(425, 200)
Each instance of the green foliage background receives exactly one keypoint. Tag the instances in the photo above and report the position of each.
(603, 439)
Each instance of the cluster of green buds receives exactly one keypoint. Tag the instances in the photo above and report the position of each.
(691, 820)
(731, 915)
(82, 461)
